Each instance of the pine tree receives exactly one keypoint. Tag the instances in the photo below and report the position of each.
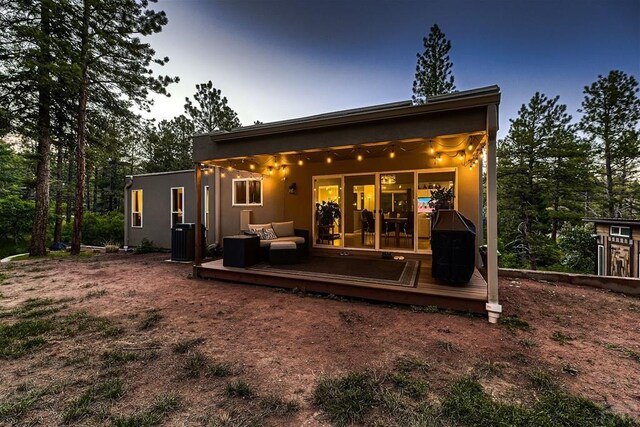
(532, 168)
(33, 45)
(113, 72)
(210, 111)
(434, 68)
(611, 114)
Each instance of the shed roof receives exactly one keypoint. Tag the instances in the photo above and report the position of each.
(613, 221)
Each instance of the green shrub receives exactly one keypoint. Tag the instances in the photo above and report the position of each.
(98, 228)
(146, 246)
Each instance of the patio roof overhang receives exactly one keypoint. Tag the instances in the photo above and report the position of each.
(445, 123)
(449, 121)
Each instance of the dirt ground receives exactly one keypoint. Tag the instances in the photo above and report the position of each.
(282, 343)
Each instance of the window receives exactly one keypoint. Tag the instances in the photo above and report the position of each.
(136, 208)
(177, 206)
(600, 260)
(247, 192)
(206, 206)
(619, 231)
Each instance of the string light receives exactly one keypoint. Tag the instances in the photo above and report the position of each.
(359, 157)
(252, 166)
(392, 153)
(431, 150)
(300, 161)
(329, 159)
(270, 170)
(275, 161)
(461, 155)
(439, 157)
(222, 174)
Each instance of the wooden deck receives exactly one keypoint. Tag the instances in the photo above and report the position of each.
(428, 292)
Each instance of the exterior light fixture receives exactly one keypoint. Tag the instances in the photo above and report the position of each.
(392, 153)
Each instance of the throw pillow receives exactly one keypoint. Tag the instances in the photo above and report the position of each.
(268, 234)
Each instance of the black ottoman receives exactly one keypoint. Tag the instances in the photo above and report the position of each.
(283, 253)
(240, 251)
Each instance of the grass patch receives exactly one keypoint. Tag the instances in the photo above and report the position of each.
(424, 309)
(240, 389)
(18, 403)
(528, 343)
(151, 319)
(346, 400)
(467, 404)
(447, 346)
(90, 402)
(184, 346)
(96, 294)
(81, 321)
(561, 337)
(631, 354)
(276, 406)
(198, 364)
(412, 387)
(23, 337)
(115, 358)
(36, 307)
(408, 364)
(514, 322)
(152, 416)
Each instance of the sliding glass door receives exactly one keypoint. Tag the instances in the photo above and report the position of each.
(327, 195)
(359, 217)
(396, 210)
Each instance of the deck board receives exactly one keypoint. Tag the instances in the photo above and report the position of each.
(471, 296)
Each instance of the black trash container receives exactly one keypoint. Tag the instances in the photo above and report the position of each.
(183, 241)
(453, 241)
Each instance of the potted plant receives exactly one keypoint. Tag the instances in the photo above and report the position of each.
(441, 198)
(326, 215)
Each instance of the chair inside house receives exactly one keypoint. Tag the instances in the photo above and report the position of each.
(408, 228)
(368, 224)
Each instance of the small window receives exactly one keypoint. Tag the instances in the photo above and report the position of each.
(619, 231)
(136, 208)
(206, 206)
(247, 192)
(600, 260)
(177, 206)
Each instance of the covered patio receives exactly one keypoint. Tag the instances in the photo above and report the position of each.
(380, 166)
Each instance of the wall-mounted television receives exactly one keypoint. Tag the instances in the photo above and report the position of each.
(423, 205)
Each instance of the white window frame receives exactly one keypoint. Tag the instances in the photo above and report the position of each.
(233, 192)
(171, 211)
(137, 212)
(619, 233)
(600, 261)
(206, 207)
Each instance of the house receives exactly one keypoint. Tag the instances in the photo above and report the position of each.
(380, 165)
(618, 246)
(155, 202)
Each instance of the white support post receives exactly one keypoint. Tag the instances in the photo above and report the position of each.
(493, 306)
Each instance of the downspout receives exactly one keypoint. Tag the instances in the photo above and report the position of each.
(127, 186)
(217, 217)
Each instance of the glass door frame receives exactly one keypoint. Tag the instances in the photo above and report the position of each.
(377, 190)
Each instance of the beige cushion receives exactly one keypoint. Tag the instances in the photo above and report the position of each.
(258, 226)
(283, 229)
(295, 239)
(282, 245)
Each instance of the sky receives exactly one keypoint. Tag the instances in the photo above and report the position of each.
(282, 59)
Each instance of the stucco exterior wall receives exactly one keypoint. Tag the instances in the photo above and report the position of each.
(156, 205)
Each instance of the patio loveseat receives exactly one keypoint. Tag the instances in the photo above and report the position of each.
(279, 232)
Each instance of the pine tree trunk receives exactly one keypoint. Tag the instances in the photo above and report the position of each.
(57, 230)
(82, 136)
(38, 245)
(69, 188)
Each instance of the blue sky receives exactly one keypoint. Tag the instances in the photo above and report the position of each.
(281, 59)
